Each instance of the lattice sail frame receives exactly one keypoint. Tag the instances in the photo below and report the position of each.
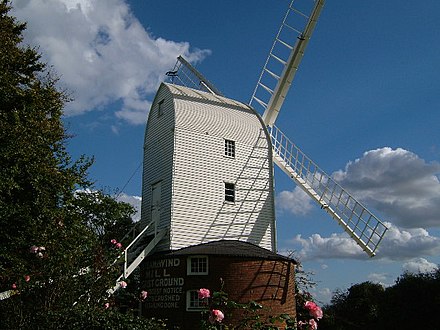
(270, 92)
(284, 57)
(363, 226)
(186, 75)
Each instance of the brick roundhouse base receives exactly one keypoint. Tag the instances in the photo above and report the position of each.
(246, 272)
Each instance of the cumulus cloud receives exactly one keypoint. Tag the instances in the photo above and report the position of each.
(398, 183)
(102, 53)
(134, 201)
(296, 201)
(380, 278)
(397, 244)
(419, 265)
(322, 295)
(335, 246)
(403, 244)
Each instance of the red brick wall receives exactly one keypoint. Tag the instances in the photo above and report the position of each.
(270, 283)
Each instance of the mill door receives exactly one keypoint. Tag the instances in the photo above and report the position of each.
(155, 203)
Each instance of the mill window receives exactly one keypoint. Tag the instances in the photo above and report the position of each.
(230, 148)
(197, 265)
(229, 192)
(160, 108)
(193, 303)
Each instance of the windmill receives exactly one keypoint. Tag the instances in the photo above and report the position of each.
(208, 160)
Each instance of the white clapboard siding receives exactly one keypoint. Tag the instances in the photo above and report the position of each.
(158, 160)
(185, 149)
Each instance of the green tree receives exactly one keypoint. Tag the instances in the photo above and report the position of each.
(356, 308)
(37, 176)
(412, 302)
(55, 252)
(106, 217)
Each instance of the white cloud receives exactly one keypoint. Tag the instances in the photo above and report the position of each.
(380, 278)
(102, 53)
(397, 244)
(134, 111)
(295, 201)
(322, 295)
(419, 265)
(403, 244)
(397, 183)
(134, 201)
(335, 246)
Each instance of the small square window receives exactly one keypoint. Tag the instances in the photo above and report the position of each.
(229, 192)
(197, 265)
(230, 148)
(193, 303)
(160, 108)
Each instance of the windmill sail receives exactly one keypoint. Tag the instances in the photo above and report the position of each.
(284, 58)
(269, 95)
(185, 74)
(365, 228)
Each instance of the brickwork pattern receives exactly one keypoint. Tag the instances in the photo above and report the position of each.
(268, 282)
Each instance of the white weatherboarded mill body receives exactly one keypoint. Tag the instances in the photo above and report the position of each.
(207, 170)
(208, 160)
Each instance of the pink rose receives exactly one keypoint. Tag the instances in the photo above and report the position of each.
(314, 310)
(106, 305)
(123, 284)
(113, 241)
(310, 305)
(301, 323)
(216, 316)
(118, 245)
(27, 278)
(33, 249)
(14, 286)
(316, 313)
(313, 324)
(143, 295)
(203, 293)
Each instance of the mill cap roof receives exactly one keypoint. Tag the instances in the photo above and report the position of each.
(228, 248)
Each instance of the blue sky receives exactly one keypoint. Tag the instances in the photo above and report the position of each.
(364, 106)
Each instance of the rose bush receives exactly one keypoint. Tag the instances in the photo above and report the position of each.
(315, 312)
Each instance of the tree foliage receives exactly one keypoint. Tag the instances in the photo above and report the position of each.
(357, 307)
(414, 300)
(106, 217)
(55, 253)
(411, 303)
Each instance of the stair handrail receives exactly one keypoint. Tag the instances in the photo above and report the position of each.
(132, 230)
(134, 241)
